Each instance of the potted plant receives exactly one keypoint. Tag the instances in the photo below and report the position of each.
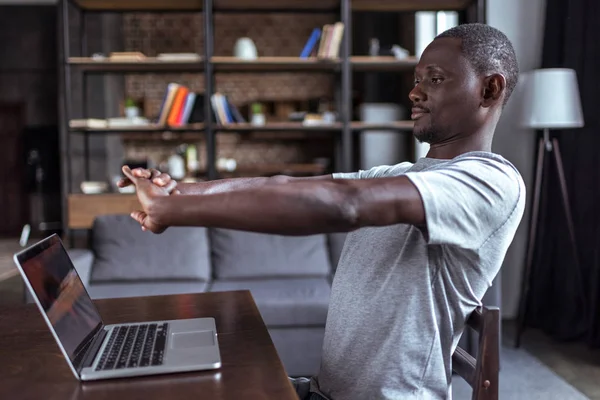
(131, 108)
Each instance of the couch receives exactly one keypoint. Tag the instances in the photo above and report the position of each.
(288, 276)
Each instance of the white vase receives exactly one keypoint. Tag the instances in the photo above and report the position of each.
(245, 49)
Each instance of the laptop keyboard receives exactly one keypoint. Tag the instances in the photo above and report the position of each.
(133, 346)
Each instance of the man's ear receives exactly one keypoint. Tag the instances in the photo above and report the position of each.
(493, 89)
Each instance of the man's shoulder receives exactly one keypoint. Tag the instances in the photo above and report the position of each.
(483, 162)
(487, 170)
(380, 171)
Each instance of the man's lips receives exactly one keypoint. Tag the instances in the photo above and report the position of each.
(417, 112)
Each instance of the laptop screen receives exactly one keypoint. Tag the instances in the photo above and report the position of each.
(61, 294)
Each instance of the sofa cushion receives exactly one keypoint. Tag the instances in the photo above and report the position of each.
(285, 302)
(123, 252)
(128, 289)
(241, 254)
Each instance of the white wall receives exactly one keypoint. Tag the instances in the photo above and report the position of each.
(523, 22)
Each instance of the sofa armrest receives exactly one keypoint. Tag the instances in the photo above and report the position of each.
(82, 260)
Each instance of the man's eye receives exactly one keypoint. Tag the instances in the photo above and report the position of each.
(436, 80)
(416, 82)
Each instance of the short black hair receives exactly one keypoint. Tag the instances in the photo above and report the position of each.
(488, 50)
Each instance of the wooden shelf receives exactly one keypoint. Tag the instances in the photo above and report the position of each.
(155, 129)
(297, 126)
(392, 126)
(140, 5)
(149, 64)
(410, 5)
(369, 63)
(176, 132)
(266, 5)
(279, 126)
(84, 208)
(233, 64)
(167, 136)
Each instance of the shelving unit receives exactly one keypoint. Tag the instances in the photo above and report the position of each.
(79, 207)
(149, 65)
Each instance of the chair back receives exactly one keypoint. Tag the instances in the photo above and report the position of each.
(482, 372)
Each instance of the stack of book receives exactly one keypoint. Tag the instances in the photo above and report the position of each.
(181, 106)
(225, 112)
(329, 44)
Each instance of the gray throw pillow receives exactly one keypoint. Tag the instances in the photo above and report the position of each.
(123, 252)
(240, 254)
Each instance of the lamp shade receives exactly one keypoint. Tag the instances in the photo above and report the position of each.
(551, 99)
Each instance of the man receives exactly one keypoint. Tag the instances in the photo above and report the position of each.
(426, 239)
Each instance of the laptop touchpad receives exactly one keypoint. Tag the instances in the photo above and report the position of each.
(187, 340)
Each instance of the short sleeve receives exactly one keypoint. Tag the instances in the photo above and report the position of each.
(381, 171)
(468, 199)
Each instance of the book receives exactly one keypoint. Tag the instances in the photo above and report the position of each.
(311, 43)
(165, 108)
(177, 106)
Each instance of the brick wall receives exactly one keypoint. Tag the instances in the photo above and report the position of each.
(273, 34)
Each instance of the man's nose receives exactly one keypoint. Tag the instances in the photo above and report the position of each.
(416, 94)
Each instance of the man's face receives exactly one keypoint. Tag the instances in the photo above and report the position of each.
(447, 93)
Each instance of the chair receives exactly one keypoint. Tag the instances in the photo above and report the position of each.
(481, 373)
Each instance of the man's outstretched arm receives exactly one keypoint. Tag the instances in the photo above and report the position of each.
(304, 207)
(227, 185)
(217, 186)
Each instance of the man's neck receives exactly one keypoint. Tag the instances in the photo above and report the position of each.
(480, 141)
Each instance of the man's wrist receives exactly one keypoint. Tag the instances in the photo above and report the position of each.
(160, 210)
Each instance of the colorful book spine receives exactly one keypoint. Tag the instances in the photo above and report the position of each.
(311, 43)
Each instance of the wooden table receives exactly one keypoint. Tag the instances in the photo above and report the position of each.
(32, 367)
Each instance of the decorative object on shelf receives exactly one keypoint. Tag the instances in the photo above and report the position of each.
(131, 108)
(399, 52)
(226, 164)
(110, 123)
(127, 122)
(94, 187)
(191, 158)
(257, 117)
(324, 119)
(374, 47)
(176, 166)
(245, 49)
(379, 147)
(179, 57)
(544, 106)
(127, 56)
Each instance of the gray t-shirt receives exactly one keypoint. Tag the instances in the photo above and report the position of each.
(401, 294)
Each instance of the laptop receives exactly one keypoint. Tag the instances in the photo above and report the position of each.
(94, 350)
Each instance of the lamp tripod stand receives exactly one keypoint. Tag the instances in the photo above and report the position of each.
(551, 148)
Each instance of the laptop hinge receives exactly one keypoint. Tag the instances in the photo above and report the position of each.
(92, 351)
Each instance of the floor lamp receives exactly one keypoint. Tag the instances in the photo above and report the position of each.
(550, 101)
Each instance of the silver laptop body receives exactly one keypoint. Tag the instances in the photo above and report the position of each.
(94, 350)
